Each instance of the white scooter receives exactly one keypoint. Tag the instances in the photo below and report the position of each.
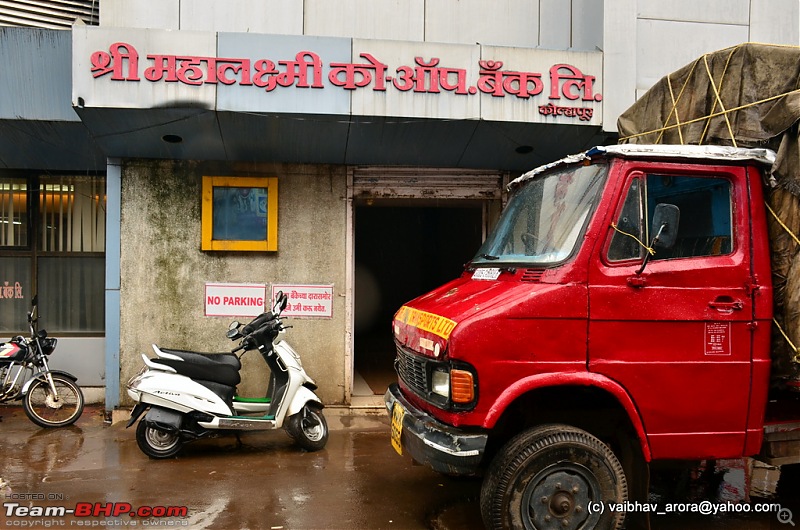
(191, 394)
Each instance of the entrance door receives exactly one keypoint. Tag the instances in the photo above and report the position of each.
(413, 230)
(402, 252)
(677, 336)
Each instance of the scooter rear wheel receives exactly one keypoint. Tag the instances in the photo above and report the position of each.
(156, 443)
(308, 428)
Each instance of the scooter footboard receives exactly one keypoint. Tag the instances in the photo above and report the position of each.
(164, 419)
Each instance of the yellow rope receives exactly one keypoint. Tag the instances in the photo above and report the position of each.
(648, 249)
(788, 231)
(797, 240)
(674, 109)
(718, 99)
(714, 106)
(713, 115)
(791, 344)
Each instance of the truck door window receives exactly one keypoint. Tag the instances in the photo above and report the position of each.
(623, 246)
(705, 228)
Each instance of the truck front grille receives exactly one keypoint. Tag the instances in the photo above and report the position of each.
(412, 369)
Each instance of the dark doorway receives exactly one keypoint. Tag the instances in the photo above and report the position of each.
(402, 252)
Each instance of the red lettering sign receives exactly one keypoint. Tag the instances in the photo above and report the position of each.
(426, 76)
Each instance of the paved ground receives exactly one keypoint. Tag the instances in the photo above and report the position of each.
(356, 482)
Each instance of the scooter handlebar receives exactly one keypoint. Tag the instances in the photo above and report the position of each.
(251, 340)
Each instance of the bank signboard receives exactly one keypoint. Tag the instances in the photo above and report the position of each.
(136, 68)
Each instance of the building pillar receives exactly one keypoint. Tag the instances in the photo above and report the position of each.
(113, 200)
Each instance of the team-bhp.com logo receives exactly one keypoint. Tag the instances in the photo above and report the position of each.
(53, 515)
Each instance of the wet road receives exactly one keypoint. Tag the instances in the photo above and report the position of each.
(356, 482)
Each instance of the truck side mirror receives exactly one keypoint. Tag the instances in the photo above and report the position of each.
(665, 225)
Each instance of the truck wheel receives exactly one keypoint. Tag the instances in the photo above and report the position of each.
(553, 476)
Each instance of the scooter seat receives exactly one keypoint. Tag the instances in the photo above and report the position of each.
(227, 358)
(201, 367)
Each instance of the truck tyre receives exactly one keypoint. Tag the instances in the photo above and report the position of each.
(553, 476)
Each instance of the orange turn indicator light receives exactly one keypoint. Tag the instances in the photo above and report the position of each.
(462, 389)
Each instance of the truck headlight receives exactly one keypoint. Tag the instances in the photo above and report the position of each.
(440, 382)
(454, 384)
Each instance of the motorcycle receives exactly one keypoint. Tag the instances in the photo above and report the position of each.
(51, 398)
(191, 394)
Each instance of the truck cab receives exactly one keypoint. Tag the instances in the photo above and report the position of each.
(620, 312)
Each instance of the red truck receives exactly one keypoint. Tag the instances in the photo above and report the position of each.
(619, 313)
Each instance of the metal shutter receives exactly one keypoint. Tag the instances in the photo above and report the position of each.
(416, 183)
(48, 14)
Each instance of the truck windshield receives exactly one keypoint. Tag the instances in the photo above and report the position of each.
(544, 218)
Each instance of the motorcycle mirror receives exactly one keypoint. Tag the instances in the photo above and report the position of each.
(234, 325)
(232, 333)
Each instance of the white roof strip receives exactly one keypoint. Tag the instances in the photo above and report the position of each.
(689, 152)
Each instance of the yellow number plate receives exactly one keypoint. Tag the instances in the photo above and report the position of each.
(397, 426)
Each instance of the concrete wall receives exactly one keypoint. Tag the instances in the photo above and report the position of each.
(163, 271)
(554, 24)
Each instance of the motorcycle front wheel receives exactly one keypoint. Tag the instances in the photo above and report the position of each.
(156, 443)
(48, 410)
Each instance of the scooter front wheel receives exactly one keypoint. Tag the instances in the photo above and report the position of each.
(156, 443)
(308, 428)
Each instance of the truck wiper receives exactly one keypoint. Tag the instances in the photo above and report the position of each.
(489, 257)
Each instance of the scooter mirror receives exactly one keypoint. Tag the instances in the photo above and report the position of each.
(280, 301)
(284, 301)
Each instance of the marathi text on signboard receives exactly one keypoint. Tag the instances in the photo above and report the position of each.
(122, 63)
(308, 301)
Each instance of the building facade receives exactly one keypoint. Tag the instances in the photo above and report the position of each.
(169, 170)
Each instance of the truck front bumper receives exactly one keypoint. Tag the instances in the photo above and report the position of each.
(428, 441)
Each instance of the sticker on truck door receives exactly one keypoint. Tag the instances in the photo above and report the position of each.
(718, 338)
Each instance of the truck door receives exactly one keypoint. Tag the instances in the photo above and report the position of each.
(677, 335)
